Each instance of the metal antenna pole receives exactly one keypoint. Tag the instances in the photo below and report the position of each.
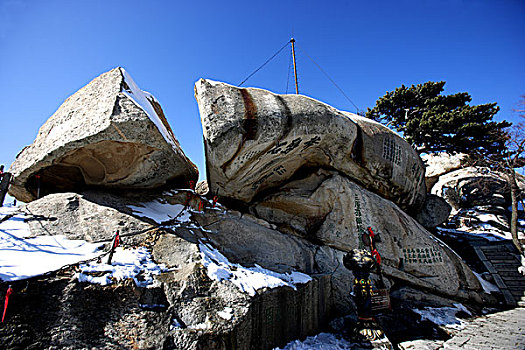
(292, 40)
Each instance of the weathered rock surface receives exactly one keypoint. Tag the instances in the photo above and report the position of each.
(108, 134)
(438, 164)
(251, 241)
(501, 330)
(333, 211)
(77, 217)
(256, 141)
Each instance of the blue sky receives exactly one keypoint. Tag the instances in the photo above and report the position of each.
(50, 49)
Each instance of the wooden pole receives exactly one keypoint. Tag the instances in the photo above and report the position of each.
(292, 40)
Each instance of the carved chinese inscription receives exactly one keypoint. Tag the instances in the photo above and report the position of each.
(285, 147)
(426, 256)
(391, 151)
(358, 215)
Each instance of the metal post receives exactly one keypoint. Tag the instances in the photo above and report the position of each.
(4, 186)
(292, 40)
(38, 186)
(115, 243)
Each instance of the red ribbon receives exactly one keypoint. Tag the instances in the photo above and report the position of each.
(116, 242)
(201, 205)
(215, 200)
(192, 185)
(9, 292)
(372, 234)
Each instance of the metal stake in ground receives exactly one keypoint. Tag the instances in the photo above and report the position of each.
(38, 186)
(9, 292)
(4, 184)
(116, 243)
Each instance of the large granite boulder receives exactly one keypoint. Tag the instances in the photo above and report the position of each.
(331, 210)
(108, 134)
(256, 141)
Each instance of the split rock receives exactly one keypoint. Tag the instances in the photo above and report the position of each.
(108, 134)
(256, 141)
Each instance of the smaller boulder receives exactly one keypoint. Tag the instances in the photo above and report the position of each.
(108, 134)
(435, 212)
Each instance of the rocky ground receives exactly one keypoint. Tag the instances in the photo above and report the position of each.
(500, 330)
(504, 330)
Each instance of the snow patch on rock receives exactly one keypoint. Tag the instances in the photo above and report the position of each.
(487, 286)
(126, 263)
(22, 257)
(160, 211)
(248, 280)
(140, 98)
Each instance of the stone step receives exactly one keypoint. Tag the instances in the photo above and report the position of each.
(499, 257)
(509, 257)
(511, 261)
(514, 283)
(495, 248)
(498, 266)
(510, 274)
(506, 268)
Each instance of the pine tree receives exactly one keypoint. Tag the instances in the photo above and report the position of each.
(432, 122)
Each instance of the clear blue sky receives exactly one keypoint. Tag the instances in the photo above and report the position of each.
(50, 49)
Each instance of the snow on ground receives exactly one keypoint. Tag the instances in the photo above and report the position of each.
(22, 257)
(161, 211)
(487, 286)
(444, 316)
(322, 341)
(141, 100)
(126, 263)
(248, 280)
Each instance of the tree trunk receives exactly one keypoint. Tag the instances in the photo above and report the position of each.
(514, 191)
